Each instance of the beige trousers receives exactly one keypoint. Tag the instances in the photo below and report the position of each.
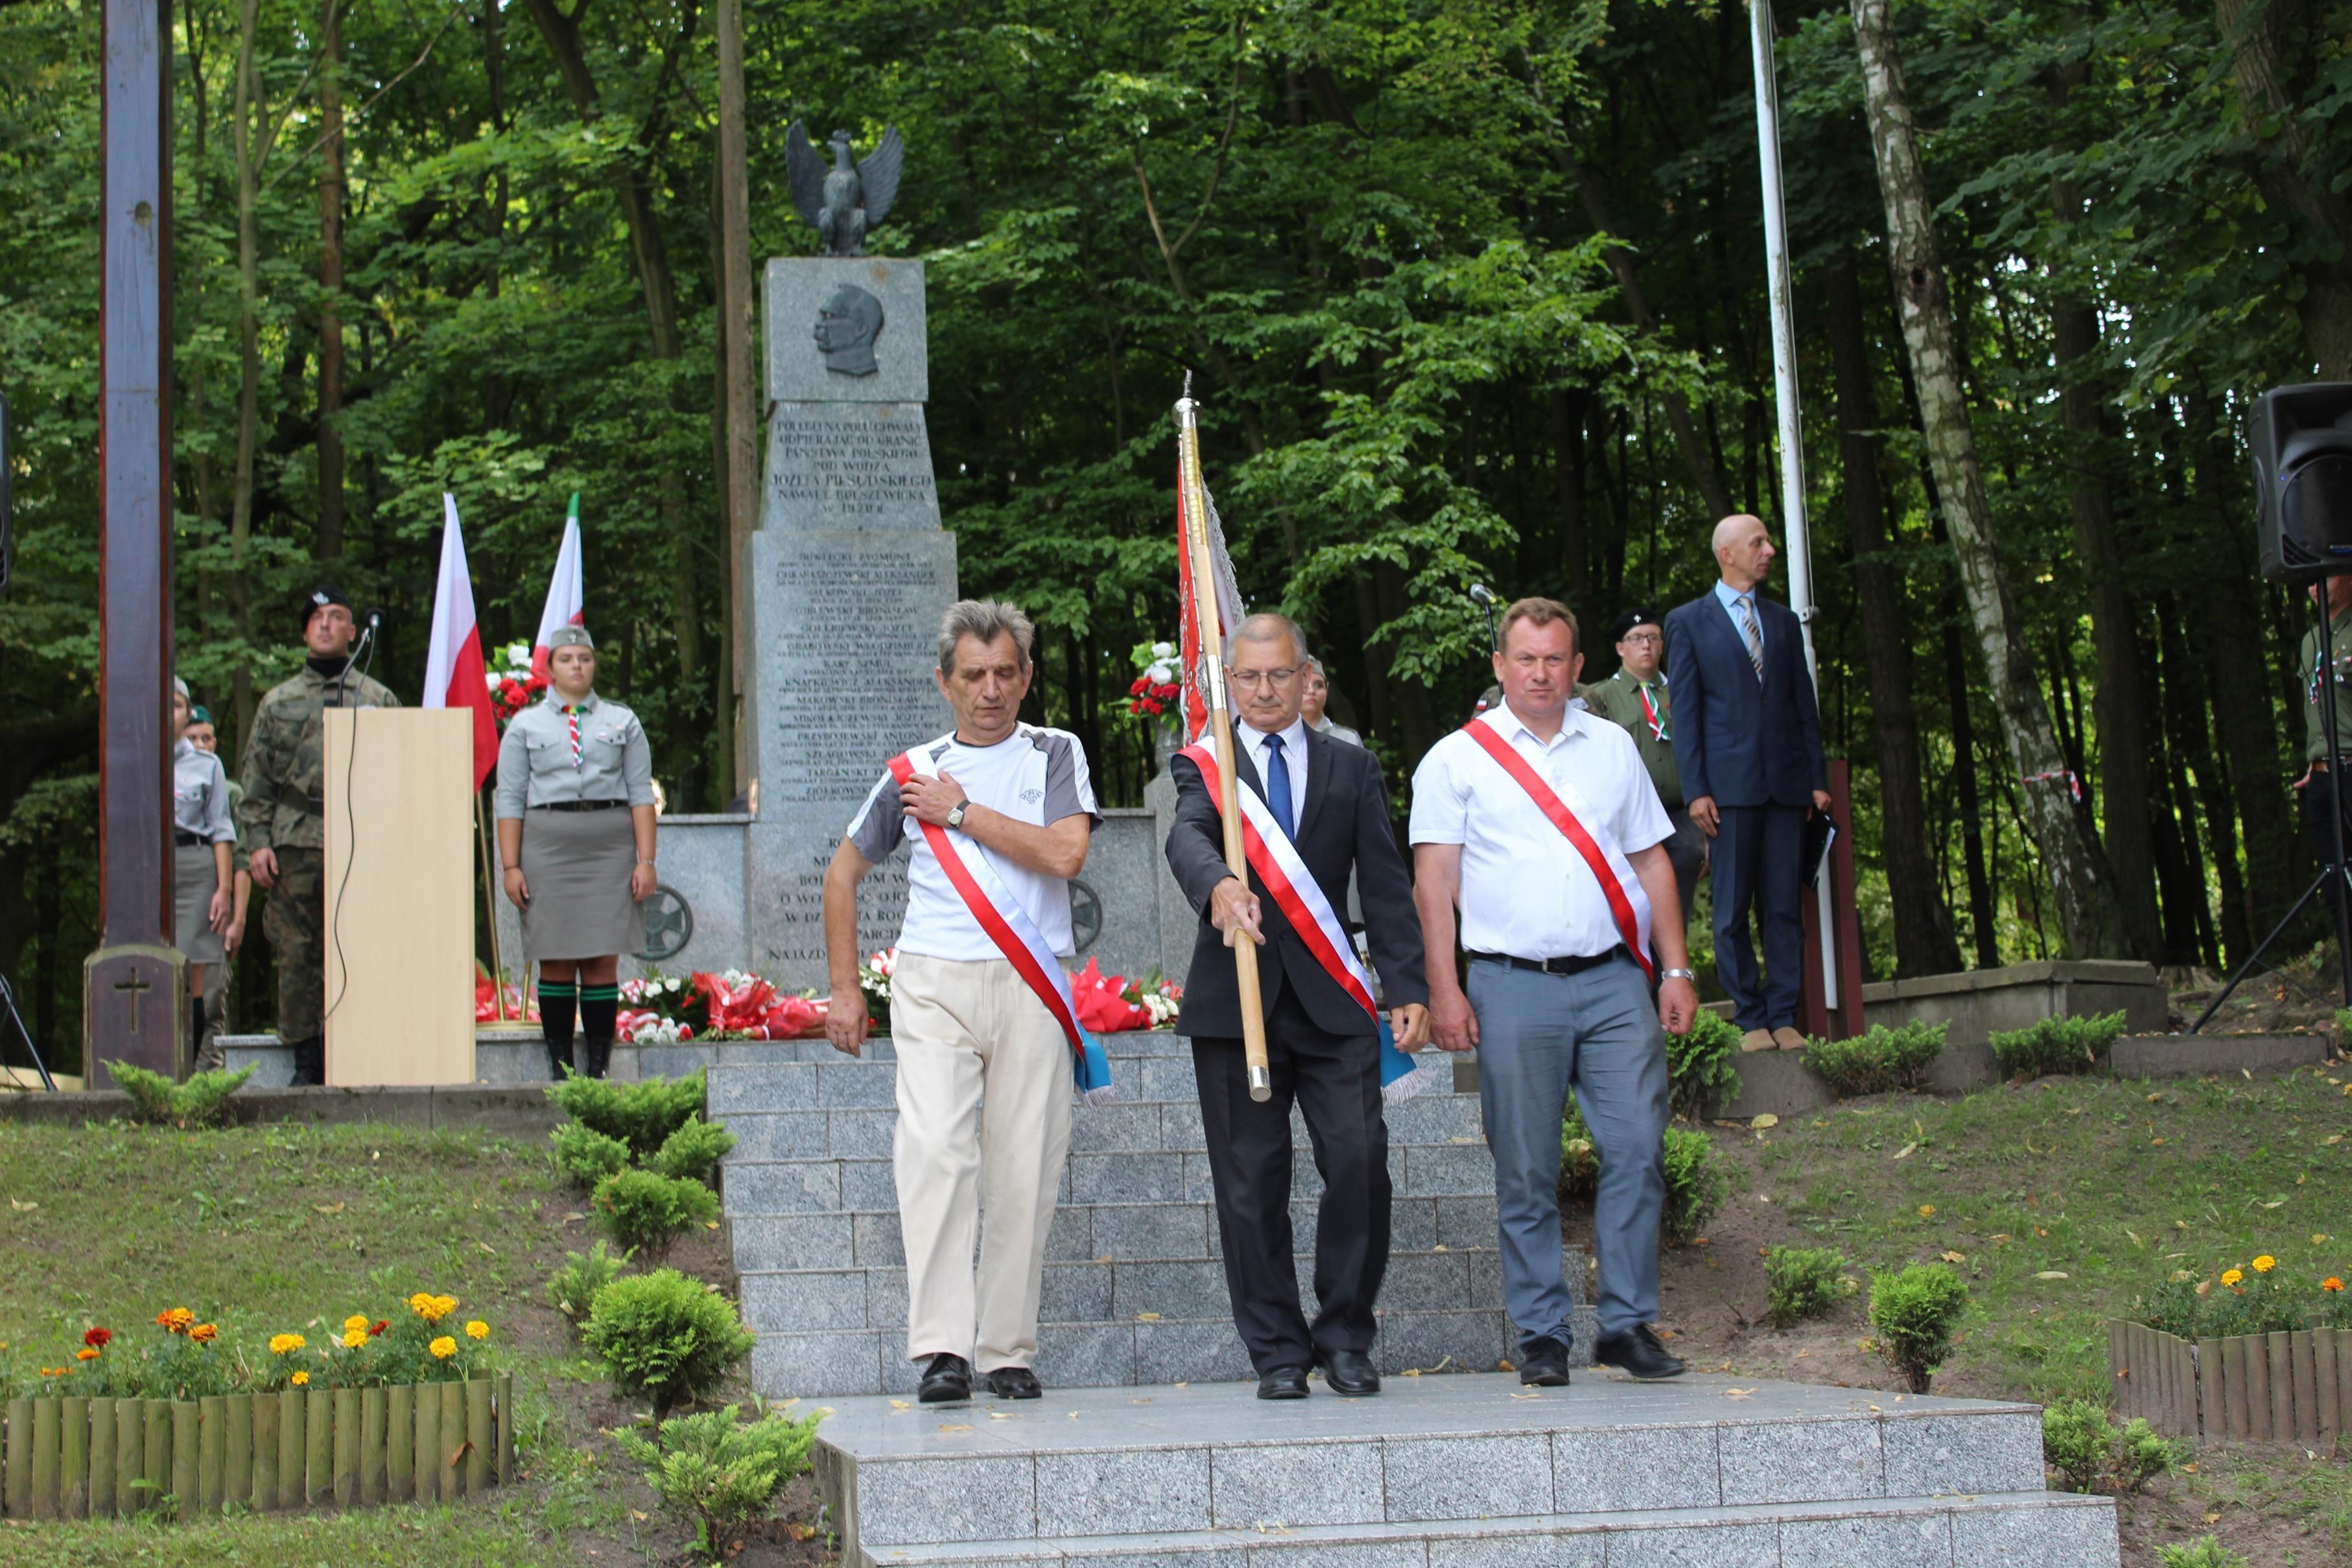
(984, 1092)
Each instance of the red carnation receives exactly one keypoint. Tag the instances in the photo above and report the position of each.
(99, 1339)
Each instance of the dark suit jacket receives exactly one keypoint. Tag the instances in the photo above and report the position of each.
(1745, 744)
(1345, 825)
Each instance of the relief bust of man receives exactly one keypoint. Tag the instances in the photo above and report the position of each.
(846, 326)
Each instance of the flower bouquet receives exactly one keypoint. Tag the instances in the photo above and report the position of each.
(874, 983)
(1112, 1004)
(1154, 690)
(514, 687)
(660, 1009)
(519, 1007)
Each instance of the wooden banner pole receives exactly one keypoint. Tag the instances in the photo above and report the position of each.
(491, 899)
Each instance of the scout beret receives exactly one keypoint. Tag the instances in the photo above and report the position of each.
(1630, 618)
(200, 715)
(318, 599)
(569, 637)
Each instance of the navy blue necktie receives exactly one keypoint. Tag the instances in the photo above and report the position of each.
(1277, 785)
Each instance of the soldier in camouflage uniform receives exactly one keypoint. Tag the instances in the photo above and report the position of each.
(282, 817)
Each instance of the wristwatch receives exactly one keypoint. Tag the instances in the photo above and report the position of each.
(1690, 974)
(955, 818)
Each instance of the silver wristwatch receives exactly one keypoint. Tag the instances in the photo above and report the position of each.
(1690, 974)
(955, 818)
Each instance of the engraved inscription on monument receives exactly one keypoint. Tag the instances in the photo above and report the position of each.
(849, 465)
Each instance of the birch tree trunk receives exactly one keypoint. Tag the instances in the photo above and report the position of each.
(2089, 911)
(735, 355)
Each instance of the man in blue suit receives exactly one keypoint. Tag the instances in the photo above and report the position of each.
(1748, 744)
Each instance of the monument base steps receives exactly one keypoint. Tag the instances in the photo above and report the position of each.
(1440, 1471)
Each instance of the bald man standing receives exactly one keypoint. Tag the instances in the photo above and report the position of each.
(1748, 744)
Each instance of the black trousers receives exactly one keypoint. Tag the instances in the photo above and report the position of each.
(1334, 1080)
(2319, 797)
(1758, 860)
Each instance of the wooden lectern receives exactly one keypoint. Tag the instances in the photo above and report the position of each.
(400, 895)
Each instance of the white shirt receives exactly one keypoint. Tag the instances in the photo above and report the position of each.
(1526, 892)
(1293, 742)
(1033, 775)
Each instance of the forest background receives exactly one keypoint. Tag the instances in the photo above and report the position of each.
(1474, 289)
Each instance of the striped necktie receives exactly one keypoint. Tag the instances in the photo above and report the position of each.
(572, 719)
(1751, 632)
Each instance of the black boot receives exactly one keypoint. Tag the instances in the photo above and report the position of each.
(311, 1061)
(556, 1002)
(599, 1010)
(599, 1054)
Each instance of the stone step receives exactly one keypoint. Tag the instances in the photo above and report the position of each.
(2042, 1530)
(833, 1081)
(1455, 1468)
(756, 1186)
(1111, 1353)
(1129, 1232)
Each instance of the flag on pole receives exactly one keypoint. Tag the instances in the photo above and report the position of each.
(1230, 608)
(455, 675)
(567, 597)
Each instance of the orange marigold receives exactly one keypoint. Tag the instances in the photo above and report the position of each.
(87, 1353)
(2331, 1283)
(175, 1320)
(205, 1333)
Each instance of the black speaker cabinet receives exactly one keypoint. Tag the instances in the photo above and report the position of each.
(2302, 442)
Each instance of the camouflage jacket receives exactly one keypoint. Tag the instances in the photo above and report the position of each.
(285, 758)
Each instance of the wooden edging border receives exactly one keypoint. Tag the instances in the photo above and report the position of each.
(2286, 1386)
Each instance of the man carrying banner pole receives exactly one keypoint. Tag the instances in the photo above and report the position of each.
(1539, 823)
(998, 814)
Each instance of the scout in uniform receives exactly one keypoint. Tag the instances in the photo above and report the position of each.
(1636, 700)
(202, 841)
(575, 809)
(205, 736)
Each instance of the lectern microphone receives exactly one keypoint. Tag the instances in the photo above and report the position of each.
(1485, 595)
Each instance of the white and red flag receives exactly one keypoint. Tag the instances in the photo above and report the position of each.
(567, 594)
(454, 673)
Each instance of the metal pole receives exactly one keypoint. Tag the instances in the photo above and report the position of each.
(1795, 538)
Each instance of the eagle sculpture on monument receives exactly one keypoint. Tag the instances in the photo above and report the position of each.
(850, 199)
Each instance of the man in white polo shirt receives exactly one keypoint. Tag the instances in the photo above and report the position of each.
(997, 815)
(1539, 823)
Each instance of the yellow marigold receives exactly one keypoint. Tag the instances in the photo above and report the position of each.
(205, 1333)
(2265, 1263)
(444, 1347)
(477, 1329)
(283, 1343)
(299, 1379)
(2331, 1283)
(2231, 1276)
(354, 1338)
(356, 1320)
(87, 1353)
(421, 1304)
(176, 1319)
(444, 1305)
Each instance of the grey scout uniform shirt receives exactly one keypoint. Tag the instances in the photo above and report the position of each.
(536, 767)
(199, 799)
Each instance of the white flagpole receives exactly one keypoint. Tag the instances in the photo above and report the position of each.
(1796, 537)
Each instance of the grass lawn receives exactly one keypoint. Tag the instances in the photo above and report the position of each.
(2058, 1201)
(264, 1230)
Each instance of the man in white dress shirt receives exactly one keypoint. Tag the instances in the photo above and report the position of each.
(1546, 833)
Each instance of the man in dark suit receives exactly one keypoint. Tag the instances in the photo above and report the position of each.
(1748, 744)
(1322, 1045)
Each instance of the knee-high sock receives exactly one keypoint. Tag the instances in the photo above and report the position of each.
(555, 1004)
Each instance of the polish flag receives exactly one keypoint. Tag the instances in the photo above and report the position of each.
(454, 673)
(567, 600)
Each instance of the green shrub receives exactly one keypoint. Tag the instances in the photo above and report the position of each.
(1878, 1060)
(718, 1474)
(2083, 1444)
(1801, 1283)
(1914, 1313)
(1703, 1066)
(201, 1102)
(571, 1290)
(664, 1337)
(1696, 1184)
(640, 1210)
(2057, 1045)
(693, 1151)
(641, 1114)
(2207, 1552)
(2142, 1455)
(587, 1155)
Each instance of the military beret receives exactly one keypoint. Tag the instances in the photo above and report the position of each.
(200, 715)
(569, 637)
(1630, 618)
(319, 598)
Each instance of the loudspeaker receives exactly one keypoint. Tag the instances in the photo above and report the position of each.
(2302, 442)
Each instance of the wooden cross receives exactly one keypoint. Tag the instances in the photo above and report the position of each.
(138, 985)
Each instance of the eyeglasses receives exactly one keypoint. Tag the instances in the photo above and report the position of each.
(1253, 679)
(1643, 637)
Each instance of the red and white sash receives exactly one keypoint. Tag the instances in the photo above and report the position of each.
(1629, 906)
(1016, 936)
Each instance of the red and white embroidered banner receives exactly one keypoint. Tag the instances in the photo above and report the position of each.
(1629, 906)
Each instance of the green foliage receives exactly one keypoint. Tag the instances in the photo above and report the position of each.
(586, 1155)
(571, 1288)
(1914, 1313)
(2092, 1454)
(1879, 1061)
(2057, 1045)
(2261, 1296)
(1697, 1185)
(2206, 1551)
(1703, 1066)
(665, 1337)
(1803, 1282)
(641, 1116)
(718, 1474)
(693, 1152)
(201, 1102)
(644, 1210)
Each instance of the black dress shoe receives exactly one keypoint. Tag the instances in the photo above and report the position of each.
(1638, 1352)
(1543, 1362)
(947, 1380)
(1014, 1383)
(1349, 1371)
(1283, 1383)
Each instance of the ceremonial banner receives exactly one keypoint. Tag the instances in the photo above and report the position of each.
(567, 594)
(455, 675)
(1228, 599)
(1008, 926)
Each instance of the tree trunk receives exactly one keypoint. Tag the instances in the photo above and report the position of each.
(1924, 943)
(327, 539)
(1568, 484)
(2084, 886)
(736, 339)
(249, 349)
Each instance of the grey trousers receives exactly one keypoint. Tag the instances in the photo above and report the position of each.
(1538, 1035)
